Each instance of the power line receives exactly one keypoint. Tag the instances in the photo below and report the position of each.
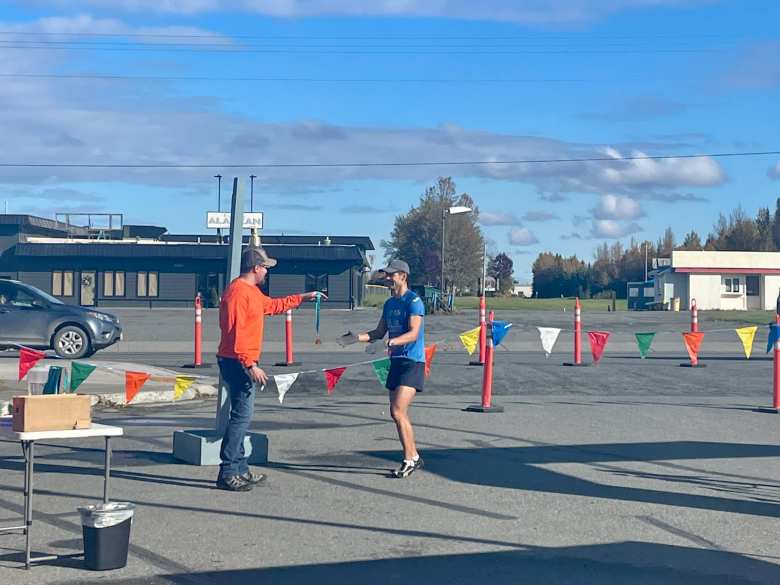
(123, 77)
(230, 49)
(539, 36)
(379, 164)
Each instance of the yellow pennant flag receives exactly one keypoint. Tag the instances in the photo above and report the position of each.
(470, 339)
(746, 335)
(182, 383)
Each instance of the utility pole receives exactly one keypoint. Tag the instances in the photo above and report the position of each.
(645, 260)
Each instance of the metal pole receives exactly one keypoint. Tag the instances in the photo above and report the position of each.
(233, 271)
(219, 204)
(107, 479)
(443, 227)
(252, 192)
(29, 520)
(645, 261)
(776, 397)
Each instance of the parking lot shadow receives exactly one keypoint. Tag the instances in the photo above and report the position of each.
(520, 468)
(623, 563)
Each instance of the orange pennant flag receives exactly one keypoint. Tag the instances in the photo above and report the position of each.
(693, 343)
(332, 378)
(27, 359)
(430, 351)
(133, 383)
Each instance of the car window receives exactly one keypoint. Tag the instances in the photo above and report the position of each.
(15, 296)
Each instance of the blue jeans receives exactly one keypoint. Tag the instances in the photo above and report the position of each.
(242, 406)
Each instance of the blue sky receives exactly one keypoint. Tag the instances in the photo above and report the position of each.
(388, 81)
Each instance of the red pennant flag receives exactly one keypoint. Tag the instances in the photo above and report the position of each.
(27, 359)
(133, 383)
(430, 351)
(598, 341)
(693, 343)
(332, 378)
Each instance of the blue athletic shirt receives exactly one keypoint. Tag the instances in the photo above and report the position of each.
(396, 313)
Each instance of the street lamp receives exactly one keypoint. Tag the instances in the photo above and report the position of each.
(454, 210)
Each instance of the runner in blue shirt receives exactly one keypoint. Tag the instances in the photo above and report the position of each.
(402, 322)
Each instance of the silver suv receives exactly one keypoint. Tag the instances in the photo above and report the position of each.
(33, 318)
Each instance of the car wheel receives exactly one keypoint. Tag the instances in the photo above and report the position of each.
(71, 342)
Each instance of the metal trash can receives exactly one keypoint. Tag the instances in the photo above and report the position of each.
(106, 529)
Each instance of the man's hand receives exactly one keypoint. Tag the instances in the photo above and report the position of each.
(311, 296)
(348, 339)
(257, 375)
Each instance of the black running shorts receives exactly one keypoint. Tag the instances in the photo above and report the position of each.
(405, 372)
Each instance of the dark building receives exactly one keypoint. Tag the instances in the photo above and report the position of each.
(145, 266)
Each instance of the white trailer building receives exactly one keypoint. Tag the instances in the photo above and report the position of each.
(721, 280)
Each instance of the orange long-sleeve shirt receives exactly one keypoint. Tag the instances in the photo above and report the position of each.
(241, 316)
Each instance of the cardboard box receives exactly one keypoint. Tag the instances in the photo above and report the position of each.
(54, 412)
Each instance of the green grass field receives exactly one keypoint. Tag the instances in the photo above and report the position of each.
(518, 303)
(752, 317)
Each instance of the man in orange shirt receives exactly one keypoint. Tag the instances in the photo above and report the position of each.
(241, 316)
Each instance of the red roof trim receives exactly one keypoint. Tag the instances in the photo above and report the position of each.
(728, 270)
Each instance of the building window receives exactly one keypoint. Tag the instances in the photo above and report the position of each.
(147, 284)
(62, 283)
(732, 285)
(317, 282)
(633, 292)
(113, 284)
(649, 291)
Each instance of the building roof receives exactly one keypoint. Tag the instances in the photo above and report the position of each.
(725, 262)
(268, 240)
(98, 249)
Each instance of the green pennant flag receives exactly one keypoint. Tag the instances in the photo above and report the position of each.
(381, 369)
(78, 373)
(644, 341)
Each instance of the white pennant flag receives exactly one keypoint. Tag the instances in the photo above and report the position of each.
(548, 335)
(283, 383)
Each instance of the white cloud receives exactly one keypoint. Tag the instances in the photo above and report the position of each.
(539, 216)
(499, 218)
(617, 207)
(521, 237)
(774, 172)
(534, 12)
(611, 229)
(692, 172)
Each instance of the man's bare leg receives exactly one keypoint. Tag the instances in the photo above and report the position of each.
(400, 400)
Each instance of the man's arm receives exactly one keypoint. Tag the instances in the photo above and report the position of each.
(237, 321)
(276, 306)
(415, 322)
(378, 333)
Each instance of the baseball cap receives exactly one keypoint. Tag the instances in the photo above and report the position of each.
(396, 266)
(252, 257)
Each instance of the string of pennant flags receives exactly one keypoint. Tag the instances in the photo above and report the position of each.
(548, 336)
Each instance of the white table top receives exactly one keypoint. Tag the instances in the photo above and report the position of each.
(96, 430)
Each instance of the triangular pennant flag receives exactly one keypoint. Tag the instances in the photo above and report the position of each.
(644, 341)
(27, 359)
(774, 331)
(746, 336)
(133, 383)
(283, 383)
(430, 351)
(693, 343)
(500, 329)
(598, 341)
(78, 373)
(470, 339)
(381, 369)
(332, 378)
(548, 336)
(182, 383)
